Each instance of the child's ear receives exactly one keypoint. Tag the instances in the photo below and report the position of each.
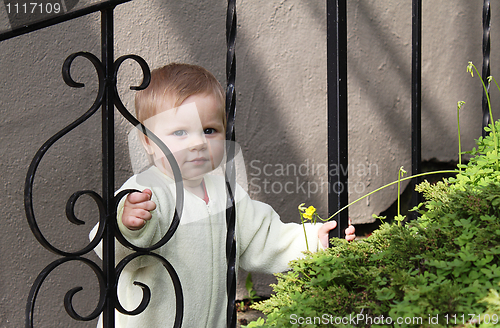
(146, 143)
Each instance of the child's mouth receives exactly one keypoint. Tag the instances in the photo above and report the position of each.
(198, 161)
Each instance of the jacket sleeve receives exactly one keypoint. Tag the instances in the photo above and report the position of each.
(153, 230)
(265, 243)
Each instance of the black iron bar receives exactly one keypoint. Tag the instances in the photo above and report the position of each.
(107, 99)
(416, 101)
(108, 162)
(230, 165)
(486, 63)
(338, 196)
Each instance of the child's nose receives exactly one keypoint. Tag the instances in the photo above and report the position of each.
(198, 142)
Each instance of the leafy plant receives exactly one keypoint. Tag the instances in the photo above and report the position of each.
(252, 294)
(245, 304)
(491, 317)
(433, 271)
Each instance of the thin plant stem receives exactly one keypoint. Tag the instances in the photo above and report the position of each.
(491, 78)
(390, 184)
(399, 192)
(400, 174)
(305, 234)
(459, 106)
(489, 107)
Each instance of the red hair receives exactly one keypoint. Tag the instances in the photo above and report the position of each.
(174, 83)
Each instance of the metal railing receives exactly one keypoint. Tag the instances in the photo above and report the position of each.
(486, 61)
(107, 98)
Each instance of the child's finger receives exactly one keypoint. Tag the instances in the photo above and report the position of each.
(137, 219)
(148, 192)
(332, 225)
(350, 237)
(350, 233)
(148, 205)
(134, 223)
(323, 232)
(328, 226)
(142, 214)
(139, 197)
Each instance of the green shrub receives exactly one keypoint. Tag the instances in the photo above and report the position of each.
(441, 270)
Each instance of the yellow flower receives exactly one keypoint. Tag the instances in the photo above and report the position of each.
(469, 69)
(310, 211)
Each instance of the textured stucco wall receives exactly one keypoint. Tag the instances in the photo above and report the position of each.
(281, 119)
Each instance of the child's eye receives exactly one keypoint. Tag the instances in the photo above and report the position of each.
(179, 133)
(209, 131)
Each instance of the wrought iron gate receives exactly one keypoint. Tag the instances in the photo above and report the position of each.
(24, 19)
(107, 99)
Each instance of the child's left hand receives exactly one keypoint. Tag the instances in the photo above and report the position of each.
(325, 229)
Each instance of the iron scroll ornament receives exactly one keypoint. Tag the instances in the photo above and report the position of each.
(104, 218)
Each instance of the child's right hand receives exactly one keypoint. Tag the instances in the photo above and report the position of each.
(136, 210)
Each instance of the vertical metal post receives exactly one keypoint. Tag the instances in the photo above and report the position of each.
(337, 113)
(108, 160)
(486, 63)
(230, 166)
(416, 100)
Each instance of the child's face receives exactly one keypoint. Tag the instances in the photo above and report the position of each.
(194, 133)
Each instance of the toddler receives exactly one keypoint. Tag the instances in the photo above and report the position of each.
(184, 107)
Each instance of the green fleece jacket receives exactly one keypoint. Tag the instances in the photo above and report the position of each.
(197, 251)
